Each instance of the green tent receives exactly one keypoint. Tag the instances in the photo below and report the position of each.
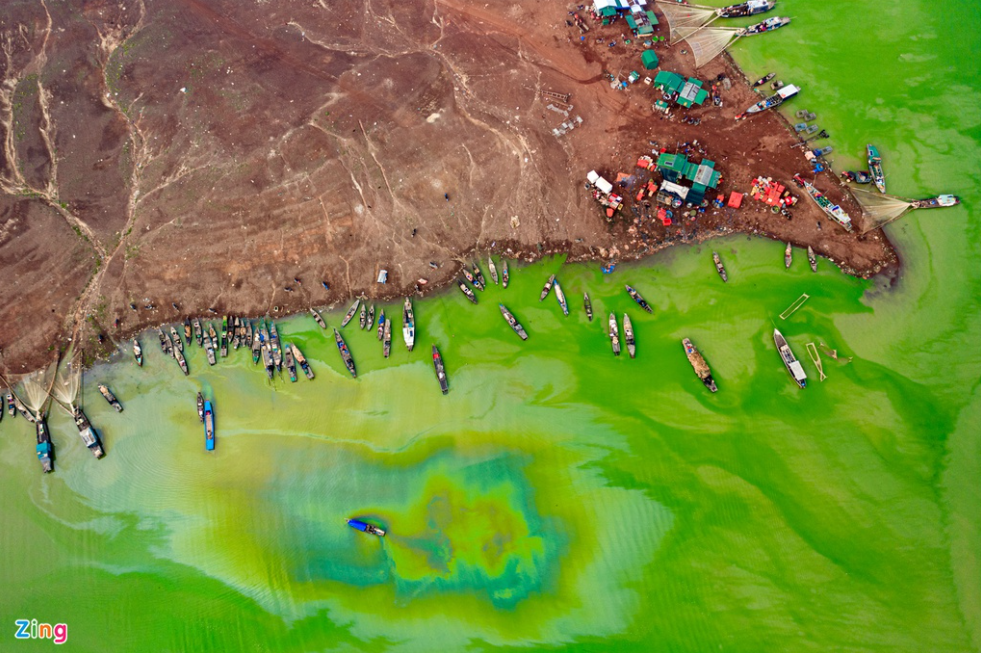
(649, 59)
(668, 81)
(631, 23)
(651, 17)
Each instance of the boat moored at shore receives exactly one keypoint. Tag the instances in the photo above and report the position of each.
(318, 318)
(492, 269)
(408, 325)
(775, 100)
(200, 407)
(505, 277)
(301, 360)
(350, 313)
(812, 259)
(587, 306)
(768, 25)
(45, 448)
(466, 290)
(89, 437)
(290, 365)
(547, 288)
(833, 211)
(788, 256)
(875, 168)
(138, 352)
(749, 8)
(560, 296)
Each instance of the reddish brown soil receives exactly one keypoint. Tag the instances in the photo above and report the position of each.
(206, 152)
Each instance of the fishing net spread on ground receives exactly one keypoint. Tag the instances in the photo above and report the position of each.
(685, 19)
(879, 209)
(67, 383)
(707, 43)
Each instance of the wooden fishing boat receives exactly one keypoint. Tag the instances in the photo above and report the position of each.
(492, 268)
(209, 349)
(381, 324)
(698, 363)
(176, 339)
(138, 352)
(290, 364)
(560, 296)
(812, 259)
(444, 384)
(478, 278)
(588, 305)
(111, 398)
(165, 345)
(387, 340)
(513, 322)
(764, 79)
(408, 325)
(187, 330)
(88, 434)
(350, 313)
(466, 290)
(505, 278)
(634, 295)
(200, 407)
(181, 361)
(788, 255)
(345, 354)
(628, 336)
(875, 168)
(547, 288)
(719, 267)
(363, 319)
(614, 334)
(198, 332)
(371, 318)
(301, 361)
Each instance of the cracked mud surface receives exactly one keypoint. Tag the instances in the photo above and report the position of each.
(206, 152)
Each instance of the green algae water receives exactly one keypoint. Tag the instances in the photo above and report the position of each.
(560, 498)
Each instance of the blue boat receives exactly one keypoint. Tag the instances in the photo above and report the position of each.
(209, 426)
(45, 450)
(365, 527)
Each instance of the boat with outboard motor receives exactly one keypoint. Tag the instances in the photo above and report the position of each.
(588, 306)
(111, 398)
(466, 290)
(209, 426)
(444, 383)
(937, 202)
(719, 267)
(365, 527)
(614, 334)
(628, 336)
(88, 434)
(345, 354)
(698, 363)
(743, 9)
(789, 360)
(768, 25)
(634, 295)
(513, 322)
(408, 325)
(875, 168)
(547, 288)
(560, 296)
(350, 313)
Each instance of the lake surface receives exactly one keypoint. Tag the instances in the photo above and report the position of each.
(560, 498)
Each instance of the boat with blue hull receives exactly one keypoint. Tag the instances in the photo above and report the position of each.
(365, 527)
(45, 449)
(209, 426)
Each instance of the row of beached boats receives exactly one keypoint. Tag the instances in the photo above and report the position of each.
(473, 276)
